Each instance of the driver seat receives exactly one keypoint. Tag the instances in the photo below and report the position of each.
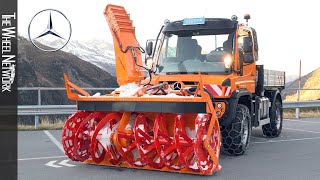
(188, 48)
(227, 45)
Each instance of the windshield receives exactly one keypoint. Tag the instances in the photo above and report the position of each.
(189, 54)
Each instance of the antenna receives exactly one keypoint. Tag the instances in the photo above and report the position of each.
(205, 11)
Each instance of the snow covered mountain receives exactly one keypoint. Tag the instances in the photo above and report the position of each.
(97, 52)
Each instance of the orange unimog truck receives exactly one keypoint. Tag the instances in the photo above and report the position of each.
(198, 88)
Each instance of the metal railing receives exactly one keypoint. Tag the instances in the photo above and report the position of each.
(39, 109)
(39, 89)
(298, 103)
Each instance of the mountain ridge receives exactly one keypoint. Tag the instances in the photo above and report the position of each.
(95, 51)
(38, 68)
(309, 81)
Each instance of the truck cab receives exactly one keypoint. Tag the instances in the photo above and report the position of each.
(225, 53)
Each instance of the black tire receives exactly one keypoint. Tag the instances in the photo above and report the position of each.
(273, 129)
(236, 136)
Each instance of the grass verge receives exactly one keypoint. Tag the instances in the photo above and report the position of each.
(304, 113)
(46, 124)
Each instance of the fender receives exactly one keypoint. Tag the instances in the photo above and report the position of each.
(272, 95)
(231, 104)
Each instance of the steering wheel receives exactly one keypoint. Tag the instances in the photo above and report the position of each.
(219, 49)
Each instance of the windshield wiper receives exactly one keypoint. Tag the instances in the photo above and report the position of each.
(168, 73)
(206, 73)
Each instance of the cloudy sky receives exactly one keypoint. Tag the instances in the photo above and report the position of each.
(287, 30)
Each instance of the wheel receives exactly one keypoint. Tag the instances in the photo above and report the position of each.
(273, 129)
(236, 136)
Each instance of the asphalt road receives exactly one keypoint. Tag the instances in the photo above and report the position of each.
(293, 155)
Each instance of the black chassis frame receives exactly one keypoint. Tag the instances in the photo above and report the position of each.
(232, 102)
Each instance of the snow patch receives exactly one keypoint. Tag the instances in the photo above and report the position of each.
(135, 153)
(166, 96)
(138, 163)
(205, 168)
(194, 166)
(175, 167)
(128, 90)
(105, 134)
(204, 137)
(131, 122)
(157, 160)
(143, 150)
(96, 94)
(190, 133)
(202, 163)
(141, 126)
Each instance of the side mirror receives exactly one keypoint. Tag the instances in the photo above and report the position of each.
(149, 48)
(247, 45)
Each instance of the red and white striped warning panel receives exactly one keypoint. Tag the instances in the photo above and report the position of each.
(218, 90)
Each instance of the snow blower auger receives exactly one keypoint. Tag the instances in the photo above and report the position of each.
(172, 132)
(199, 75)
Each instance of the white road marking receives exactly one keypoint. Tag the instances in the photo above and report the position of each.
(37, 158)
(302, 130)
(303, 121)
(285, 140)
(51, 164)
(258, 138)
(54, 140)
(64, 163)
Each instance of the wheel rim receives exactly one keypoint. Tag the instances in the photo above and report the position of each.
(278, 118)
(245, 130)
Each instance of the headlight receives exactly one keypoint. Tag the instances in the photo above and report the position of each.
(227, 62)
(219, 105)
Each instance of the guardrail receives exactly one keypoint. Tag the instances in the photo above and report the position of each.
(30, 110)
(300, 104)
(39, 89)
(38, 110)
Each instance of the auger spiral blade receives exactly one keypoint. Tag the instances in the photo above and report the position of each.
(126, 145)
(145, 143)
(69, 130)
(157, 141)
(82, 140)
(102, 144)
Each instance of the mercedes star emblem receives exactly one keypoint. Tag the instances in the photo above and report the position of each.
(52, 36)
(177, 86)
